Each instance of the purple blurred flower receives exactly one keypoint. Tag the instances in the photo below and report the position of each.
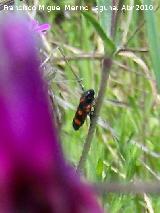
(34, 177)
(40, 28)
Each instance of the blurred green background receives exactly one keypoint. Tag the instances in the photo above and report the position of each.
(126, 146)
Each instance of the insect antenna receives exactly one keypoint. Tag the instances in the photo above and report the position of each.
(79, 81)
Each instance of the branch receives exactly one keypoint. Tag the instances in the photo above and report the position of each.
(96, 56)
(117, 15)
(113, 19)
(107, 63)
(84, 56)
(137, 187)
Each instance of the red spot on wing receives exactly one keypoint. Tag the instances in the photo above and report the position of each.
(84, 108)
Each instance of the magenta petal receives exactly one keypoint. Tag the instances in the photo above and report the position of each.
(42, 28)
(33, 174)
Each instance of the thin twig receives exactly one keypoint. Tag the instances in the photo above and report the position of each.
(127, 24)
(118, 13)
(96, 56)
(133, 188)
(105, 74)
(85, 56)
(148, 202)
(135, 32)
(150, 170)
(139, 27)
(99, 57)
(146, 149)
(113, 19)
(140, 50)
(125, 68)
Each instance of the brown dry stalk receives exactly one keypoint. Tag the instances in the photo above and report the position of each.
(137, 187)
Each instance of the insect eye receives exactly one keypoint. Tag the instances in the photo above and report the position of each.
(90, 94)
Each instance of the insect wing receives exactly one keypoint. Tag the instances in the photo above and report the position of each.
(83, 109)
(80, 116)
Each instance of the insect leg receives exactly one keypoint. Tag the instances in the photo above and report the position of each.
(91, 113)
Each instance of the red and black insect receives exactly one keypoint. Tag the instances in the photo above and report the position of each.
(84, 108)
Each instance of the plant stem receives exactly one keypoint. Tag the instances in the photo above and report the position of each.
(137, 187)
(113, 19)
(107, 63)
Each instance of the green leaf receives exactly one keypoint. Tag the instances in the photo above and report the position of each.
(108, 44)
(153, 40)
(99, 168)
(105, 16)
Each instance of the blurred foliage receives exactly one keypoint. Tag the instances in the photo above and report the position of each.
(126, 144)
